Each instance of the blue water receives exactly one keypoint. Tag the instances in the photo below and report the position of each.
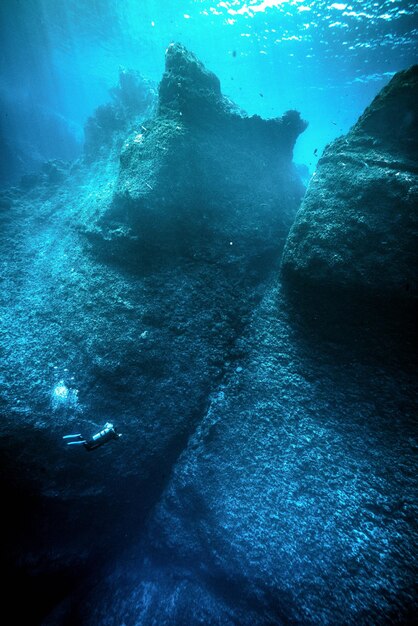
(326, 59)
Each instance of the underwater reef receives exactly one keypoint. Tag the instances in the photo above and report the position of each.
(266, 469)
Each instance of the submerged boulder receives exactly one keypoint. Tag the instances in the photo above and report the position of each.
(357, 228)
(200, 178)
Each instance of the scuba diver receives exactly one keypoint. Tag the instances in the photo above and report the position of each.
(106, 434)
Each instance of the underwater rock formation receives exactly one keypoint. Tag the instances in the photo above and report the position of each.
(293, 501)
(358, 228)
(105, 130)
(201, 179)
(266, 471)
(136, 323)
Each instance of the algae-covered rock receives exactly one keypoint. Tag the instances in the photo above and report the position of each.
(187, 87)
(200, 175)
(293, 502)
(266, 469)
(357, 228)
(136, 325)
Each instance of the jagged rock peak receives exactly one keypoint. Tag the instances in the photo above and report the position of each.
(186, 82)
(190, 91)
(198, 170)
(183, 63)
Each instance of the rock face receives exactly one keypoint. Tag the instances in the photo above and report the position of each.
(126, 286)
(201, 179)
(358, 227)
(293, 502)
(266, 473)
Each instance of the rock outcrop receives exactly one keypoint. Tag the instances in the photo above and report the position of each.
(357, 229)
(293, 502)
(266, 473)
(201, 179)
(138, 322)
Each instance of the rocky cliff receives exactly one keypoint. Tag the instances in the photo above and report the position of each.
(293, 502)
(127, 283)
(357, 229)
(266, 473)
(200, 179)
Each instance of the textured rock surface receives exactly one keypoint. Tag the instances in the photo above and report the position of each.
(358, 225)
(200, 179)
(135, 323)
(295, 500)
(267, 470)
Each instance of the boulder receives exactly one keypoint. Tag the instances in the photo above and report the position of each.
(357, 229)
